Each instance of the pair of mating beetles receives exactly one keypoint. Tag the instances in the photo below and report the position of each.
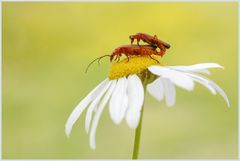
(138, 50)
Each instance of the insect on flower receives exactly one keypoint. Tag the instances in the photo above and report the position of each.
(130, 50)
(124, 90)
(151, 40)
(128, 81)
(134, 50)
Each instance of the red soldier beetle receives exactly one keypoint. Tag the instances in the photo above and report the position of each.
(130, 50)
(151, 40)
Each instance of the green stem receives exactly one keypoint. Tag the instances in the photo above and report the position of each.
(137, 137)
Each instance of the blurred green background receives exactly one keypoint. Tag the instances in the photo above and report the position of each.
(46, 47)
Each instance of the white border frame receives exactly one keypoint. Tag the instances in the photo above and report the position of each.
(125, 1)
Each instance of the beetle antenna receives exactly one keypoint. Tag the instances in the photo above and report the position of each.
(99, 58)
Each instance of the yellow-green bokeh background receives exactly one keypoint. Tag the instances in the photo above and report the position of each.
(46, 47)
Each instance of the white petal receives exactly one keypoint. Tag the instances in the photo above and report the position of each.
(98, 114)
(210, 85)
(177, 77)
(196, 67)
(124, 105)
(116, 106)
(114, 98)
(156, 89)
(221, 92)
(202, 81)
(93, 105)
(135, 100)
(189, 69)
(133, 118)
(203, 71)
(82, 106)
(169, 91)
(192, 75)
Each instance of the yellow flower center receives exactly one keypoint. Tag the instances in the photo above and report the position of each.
(135, 65)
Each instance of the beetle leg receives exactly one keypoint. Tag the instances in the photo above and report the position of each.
(138, 40)
(127, 58)
(132, 40)
(154, 59)
(118, 59)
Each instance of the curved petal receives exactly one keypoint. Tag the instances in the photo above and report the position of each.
(203, 81)
(209, 84)
(156, 89)
(209, 87)
(196, 67)
(169, 91)
(212, 86)
(98, 114)
(93, 105)
(116, 106)
(193, 75)
(82, 106)
(220, 91)
(135, 100)
(203, 71)
(177, 77)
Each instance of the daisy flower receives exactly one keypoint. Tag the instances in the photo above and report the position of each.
(124, 90)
